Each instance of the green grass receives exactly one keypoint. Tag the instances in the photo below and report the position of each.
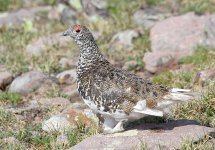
(203, 143)
(50, 2)
(11, 98)
(198, 6)
(6, 119)
(174, 79)
(32, 136)
(16, 58)
(4, 4)
(202, 56)
(120, 10)
(164, 78)
(55, 92)
(205, 108)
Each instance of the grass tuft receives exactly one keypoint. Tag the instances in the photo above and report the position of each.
(205, 108)
(198, 6)
(11, 98)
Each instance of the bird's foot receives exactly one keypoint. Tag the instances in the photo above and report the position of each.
(118, 128)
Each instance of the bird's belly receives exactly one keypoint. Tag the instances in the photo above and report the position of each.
(94, 107)
(91, 104)
(117, 115)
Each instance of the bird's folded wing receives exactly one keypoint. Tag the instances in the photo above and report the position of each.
(141, 107)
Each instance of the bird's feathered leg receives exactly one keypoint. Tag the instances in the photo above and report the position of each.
(111, 126)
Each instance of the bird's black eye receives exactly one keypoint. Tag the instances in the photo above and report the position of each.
(77, 31)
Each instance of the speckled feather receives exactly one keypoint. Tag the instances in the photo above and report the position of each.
(108, 87)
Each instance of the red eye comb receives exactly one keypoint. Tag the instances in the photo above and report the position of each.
(77, 28)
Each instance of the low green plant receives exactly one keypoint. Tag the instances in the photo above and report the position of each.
(201, 144)
(4, 4)
(153, 2)
(6, 119)
(200, 56)
(204, 106)
(120, 10)
(8, 97)
(50, 2)
(164, 78)
(198, 6)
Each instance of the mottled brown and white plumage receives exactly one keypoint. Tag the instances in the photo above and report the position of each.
(116, 94)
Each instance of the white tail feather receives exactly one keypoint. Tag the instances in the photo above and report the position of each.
(180, 95)
(176, 96)
(163, 107)
(152, 112)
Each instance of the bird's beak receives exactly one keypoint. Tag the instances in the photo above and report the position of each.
(66, 33)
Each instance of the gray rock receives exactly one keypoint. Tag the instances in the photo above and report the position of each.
(40, 104)
(32, 105)
(177, 37)
(96, 34)
(76, 4)
(11, 141)
(149, 16)
(5, 79)
(128, 64)
(57, 123)
(157, 60)
(57, 101)
(54, 14)
(68, 15)
(62, 140)
(67, 80)
(70, 119)
(79, 106)
(72, 92)
(2, 68)
(123, 40)
(2, 48)
(68, 63)
(19, 17)
(43, 43)
(204, 76)
(79, 112)
(67, 77)
(210, 31)
(155, 136)
(27, 83)
(95, 7)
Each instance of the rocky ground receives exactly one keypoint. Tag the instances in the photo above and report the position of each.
(169, 42)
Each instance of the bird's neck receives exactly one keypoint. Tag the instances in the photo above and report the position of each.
(90, 55)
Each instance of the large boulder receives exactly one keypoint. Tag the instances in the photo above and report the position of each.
(27, 82)
(5, 79)
(123, 40)
(177, 37)
(67, 77)
(17, 18)
(149, 16)
(95, 8)
(169, 135)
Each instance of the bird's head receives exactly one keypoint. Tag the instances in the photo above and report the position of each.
(78, 33)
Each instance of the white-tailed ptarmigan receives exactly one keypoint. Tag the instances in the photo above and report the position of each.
(117, 95)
